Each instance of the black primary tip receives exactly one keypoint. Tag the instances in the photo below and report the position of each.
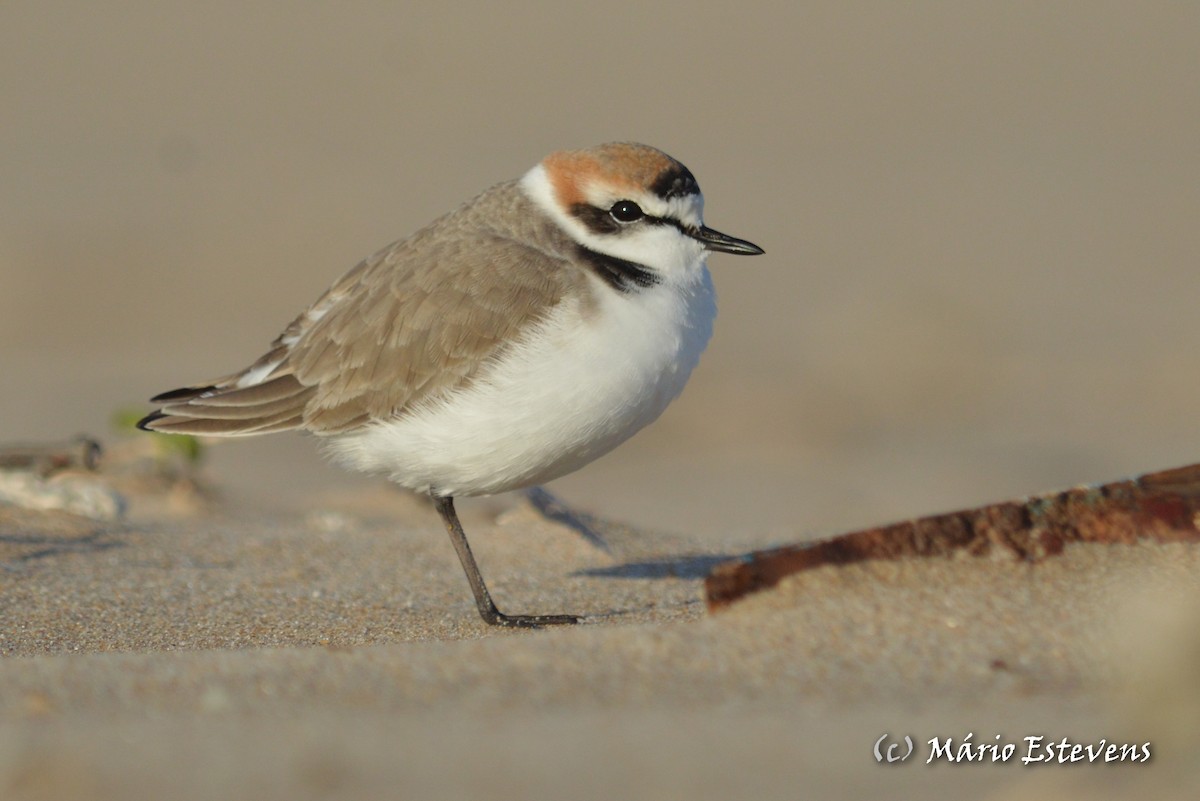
(144, 423)
(180, 394)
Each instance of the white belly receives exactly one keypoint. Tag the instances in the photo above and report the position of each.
(586, 382)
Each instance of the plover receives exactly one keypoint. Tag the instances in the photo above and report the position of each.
(509, 342)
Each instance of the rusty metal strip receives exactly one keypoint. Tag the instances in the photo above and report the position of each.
(1162, 506)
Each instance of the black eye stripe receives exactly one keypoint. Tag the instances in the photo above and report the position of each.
(597, 220)
(665, 221)
(600, 221)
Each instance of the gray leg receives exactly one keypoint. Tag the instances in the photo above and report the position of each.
(483, 599)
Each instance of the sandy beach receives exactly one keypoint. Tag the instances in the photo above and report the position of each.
(979, 284)
(283, 657)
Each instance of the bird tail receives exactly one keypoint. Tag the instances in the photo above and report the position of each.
(263, 399)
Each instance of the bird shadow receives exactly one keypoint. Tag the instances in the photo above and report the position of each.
(683, 566)
(585, 525)
(35, 547)
(593, 529)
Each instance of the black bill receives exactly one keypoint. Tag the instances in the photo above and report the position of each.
(715, 240)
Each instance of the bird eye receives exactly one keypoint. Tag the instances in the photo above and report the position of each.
(626, 211)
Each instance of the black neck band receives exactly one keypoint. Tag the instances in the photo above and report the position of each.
(621, 275)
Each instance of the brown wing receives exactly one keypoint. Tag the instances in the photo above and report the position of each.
(415, 321)
(416, 328)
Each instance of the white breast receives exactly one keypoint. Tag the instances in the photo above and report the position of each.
(574, 388)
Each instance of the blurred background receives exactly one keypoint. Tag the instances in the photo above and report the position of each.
(982, 225)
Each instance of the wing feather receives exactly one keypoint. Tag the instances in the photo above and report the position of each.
(414, 322)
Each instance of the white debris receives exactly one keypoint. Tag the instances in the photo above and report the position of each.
(77, 493)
